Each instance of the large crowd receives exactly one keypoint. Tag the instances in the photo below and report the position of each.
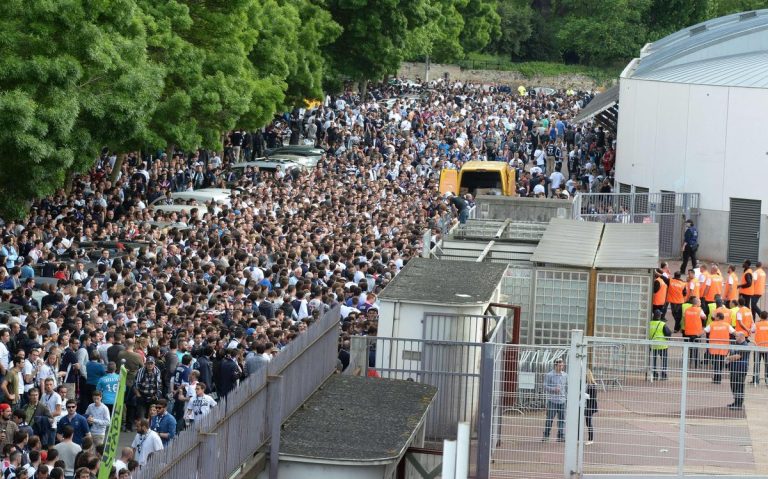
(193, 301)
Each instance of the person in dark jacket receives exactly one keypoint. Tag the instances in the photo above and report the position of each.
(591, 406)
(230, 373)
(205, 366)
(738, 362)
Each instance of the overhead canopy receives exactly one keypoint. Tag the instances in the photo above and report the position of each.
(589, 244)
(569, 243)
(604, 108)
(629, 246)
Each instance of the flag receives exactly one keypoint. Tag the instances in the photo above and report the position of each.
(113, 433)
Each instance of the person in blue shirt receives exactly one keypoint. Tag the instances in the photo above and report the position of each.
(163, 423)
(690, 246)
(27, 271)
(108, 385)
(78, 422)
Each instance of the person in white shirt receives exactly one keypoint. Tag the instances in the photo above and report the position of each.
(200, 405)
(5, 336)
(126, 455)
(97, 415)
(146, 442)
(556, 180)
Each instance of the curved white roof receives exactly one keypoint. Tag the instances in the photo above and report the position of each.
(726, 51)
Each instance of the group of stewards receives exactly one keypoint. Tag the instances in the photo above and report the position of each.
(721, 309)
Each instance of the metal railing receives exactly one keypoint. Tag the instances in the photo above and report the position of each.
(241, 423)
(673, 409)
(669, 210)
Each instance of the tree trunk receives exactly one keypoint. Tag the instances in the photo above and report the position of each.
(116, 169)
(363, 90)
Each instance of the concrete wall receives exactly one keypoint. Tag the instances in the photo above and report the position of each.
(413, 70)
(713, 235)
(522, 209)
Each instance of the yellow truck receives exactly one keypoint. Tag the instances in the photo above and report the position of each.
(480, 178)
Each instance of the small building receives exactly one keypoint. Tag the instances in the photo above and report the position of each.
(463, 288)
(354, 427)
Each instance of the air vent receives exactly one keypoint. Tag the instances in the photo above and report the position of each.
(697, 30)
(747, 15)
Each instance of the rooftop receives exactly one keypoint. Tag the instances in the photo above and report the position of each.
(357, 419)
(726, 51)
(432, 281)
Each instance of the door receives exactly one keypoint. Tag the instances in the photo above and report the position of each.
(743, 230)
(449, 181)
(669, 231)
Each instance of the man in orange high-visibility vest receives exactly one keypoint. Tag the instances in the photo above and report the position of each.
(676, 293)
(719, 340)
(760, 329)
(693, 327)
(758, 288)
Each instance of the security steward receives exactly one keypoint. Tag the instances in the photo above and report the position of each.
(658, 332)
(761, 341)
(719, 339)
(660, 285)
(746, 287)
(676, 293)
(693, 327)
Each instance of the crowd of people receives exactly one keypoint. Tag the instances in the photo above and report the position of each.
(193, 301)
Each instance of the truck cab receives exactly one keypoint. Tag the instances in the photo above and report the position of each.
(480, 178)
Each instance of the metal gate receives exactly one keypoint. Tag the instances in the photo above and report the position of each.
(743, 230)
(668, 209)
(657, 413)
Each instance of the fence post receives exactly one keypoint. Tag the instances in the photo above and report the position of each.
(274, 393)
(573, 404)
(485, 420)
(683, 406)
(209, 460)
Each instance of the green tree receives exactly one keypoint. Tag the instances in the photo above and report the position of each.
(372, 42)
(603, 31)
(516, 27)
(481, 24)
(668, 16)
(718, 8)
(74, 76)
(440, 37)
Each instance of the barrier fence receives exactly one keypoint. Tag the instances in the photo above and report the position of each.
(655, 412)
(669, 210)
(240, 424)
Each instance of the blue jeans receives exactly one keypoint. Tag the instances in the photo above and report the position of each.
(555, 409)
(463, 216)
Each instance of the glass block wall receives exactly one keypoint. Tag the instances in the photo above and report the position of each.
(560, 305)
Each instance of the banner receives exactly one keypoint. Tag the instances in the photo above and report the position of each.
(111, 444)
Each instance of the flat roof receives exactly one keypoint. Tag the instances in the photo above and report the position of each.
(569, 243)
(432, 281)
(357, 419)
(629, 246)
(484, 165)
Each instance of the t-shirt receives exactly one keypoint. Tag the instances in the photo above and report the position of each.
(146, 444)
(67, 453)
(108, 385)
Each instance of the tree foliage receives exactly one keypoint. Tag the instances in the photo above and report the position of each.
(74, 76)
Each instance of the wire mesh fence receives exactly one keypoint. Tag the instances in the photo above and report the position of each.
(629, 408)
(668, 209)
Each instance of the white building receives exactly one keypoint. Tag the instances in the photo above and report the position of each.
(693, 115)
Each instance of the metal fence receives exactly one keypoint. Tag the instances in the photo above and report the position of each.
(669, 210)
(241, 423)
(653, 412)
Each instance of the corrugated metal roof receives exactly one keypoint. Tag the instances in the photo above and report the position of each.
(600, 103)
(628, 246)
(726, 51)
(569, 243)
(747, 70)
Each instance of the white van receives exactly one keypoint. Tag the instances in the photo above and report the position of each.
(221, 196)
